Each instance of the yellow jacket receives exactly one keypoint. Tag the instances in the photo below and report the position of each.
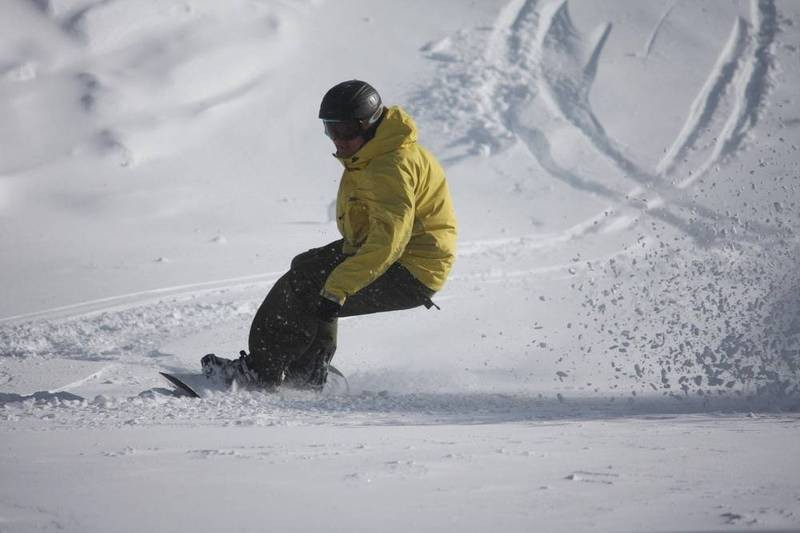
(393, 205)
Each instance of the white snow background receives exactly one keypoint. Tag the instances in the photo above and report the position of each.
(618, 348)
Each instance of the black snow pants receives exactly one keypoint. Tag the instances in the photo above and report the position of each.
(286, 338)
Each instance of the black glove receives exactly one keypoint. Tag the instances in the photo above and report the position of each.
(327, 310)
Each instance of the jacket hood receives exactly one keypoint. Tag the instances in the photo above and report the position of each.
(395, 130)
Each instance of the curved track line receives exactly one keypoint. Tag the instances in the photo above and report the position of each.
(79, 382)
(708, 99)
(133, 298)
(533, 241)
(568, 269)
(752, 86)
(648, 47)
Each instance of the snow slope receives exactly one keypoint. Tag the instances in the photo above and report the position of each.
(620, 337)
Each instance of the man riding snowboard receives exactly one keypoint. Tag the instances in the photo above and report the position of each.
(396, 218)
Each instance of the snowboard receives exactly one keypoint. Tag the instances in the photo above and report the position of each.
(197, 385)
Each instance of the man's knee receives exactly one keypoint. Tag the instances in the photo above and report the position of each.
(300, 260)
(314, 266)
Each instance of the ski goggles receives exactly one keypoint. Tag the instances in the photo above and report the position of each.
(343, 130)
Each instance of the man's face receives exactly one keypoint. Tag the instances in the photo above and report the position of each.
(348, 147)
(348, 137)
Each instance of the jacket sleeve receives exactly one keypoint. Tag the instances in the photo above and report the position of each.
(390, 204)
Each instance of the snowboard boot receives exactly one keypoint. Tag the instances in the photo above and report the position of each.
(228, 371)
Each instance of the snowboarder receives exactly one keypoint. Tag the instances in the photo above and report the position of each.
(396, 218)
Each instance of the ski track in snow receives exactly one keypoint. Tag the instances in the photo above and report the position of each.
(82, 381)
(125, 301)
(133, 323)
(536, 62)
(710, 97)
(648, 47)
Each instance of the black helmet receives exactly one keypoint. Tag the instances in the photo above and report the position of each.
(352, 100)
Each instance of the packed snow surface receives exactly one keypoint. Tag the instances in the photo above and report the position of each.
(618, 347)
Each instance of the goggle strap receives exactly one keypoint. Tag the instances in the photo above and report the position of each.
(375, 116)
